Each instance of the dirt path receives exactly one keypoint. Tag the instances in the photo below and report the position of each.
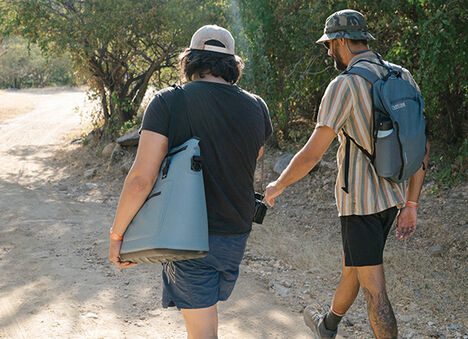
(55, 280)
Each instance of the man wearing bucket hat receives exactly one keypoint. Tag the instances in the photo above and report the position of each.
(369, 204)
(232, 126)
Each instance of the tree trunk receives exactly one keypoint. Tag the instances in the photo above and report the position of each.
(104, 104)
(136, 101)
(125, 109)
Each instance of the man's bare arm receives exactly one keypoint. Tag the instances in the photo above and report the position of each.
(152, 148)
(260, 152)
(416, 181)
(302, 163)
(408, 217)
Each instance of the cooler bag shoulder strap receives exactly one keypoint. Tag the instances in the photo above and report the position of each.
(179, 107)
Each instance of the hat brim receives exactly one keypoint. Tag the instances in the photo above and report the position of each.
(353, 35)
(222, 50)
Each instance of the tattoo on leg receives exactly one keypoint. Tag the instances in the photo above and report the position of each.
(381, 315)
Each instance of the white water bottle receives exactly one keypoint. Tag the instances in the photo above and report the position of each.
(385, 129)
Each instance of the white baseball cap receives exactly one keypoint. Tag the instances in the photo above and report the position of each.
(213, 32)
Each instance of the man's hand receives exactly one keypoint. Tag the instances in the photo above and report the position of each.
(272, 191)
(114, 255)
(406, 222)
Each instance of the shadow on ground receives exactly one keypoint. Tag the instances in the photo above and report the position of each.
(54, 268)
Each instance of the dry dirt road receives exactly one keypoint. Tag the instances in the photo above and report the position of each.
(55, 280)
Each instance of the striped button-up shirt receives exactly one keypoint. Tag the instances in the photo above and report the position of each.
(347, 105)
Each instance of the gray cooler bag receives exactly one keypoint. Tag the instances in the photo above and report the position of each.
(172, 224)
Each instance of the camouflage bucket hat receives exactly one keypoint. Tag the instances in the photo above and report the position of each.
(348, 24)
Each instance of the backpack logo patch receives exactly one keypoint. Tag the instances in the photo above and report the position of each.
(398, 106)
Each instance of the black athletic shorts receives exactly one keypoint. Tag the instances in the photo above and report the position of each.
(364, 237)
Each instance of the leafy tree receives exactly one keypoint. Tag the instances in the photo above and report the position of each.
(4, 14)
(23, 65)
(429, 38)
(116, 45)
(285, 65)
(426, 36)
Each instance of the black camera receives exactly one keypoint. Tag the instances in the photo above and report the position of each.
(260, 209)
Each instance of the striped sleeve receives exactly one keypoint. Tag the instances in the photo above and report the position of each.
(408, 77)
(336, 105)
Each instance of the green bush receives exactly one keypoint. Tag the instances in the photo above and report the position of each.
(287, 67)
(119, 52)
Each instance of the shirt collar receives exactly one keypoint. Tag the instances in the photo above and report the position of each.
(370, 55)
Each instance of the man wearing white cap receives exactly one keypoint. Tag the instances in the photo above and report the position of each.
(233, 126)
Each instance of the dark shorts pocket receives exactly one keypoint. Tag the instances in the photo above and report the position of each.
(364, 237)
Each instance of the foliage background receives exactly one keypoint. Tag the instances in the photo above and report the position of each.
(120, 47)
(291, 71)
(276, 39)
(22, 65)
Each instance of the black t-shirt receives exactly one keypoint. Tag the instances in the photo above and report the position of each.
(232, 125)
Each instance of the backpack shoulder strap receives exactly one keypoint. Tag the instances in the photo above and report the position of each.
(346, 159)
(397, 68)
(364, 73)
(371, 78)
(346, 164)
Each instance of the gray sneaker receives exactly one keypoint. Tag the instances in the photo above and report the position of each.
(315, 322)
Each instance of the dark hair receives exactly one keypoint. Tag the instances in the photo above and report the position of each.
(229, 67)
